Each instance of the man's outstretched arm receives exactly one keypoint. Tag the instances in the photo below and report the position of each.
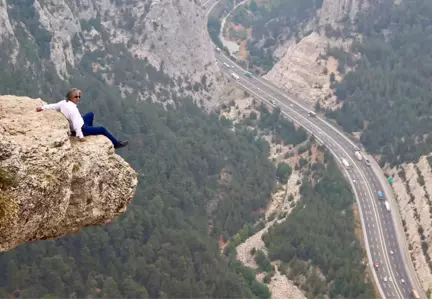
(55, 106)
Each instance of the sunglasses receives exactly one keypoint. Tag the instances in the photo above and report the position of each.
(77, 97)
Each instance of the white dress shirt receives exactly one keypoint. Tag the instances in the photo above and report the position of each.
(72, 114)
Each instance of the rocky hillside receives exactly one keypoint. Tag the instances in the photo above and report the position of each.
(335, 12)
(50, 184)
(304, 69)
(128, 44)
(412, 186)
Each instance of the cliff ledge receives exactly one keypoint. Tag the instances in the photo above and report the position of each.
(50, 184)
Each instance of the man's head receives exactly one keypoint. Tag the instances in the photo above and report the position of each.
(73, 95)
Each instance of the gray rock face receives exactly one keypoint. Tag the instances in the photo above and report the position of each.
(301, 70)
(171, 35)
(50, 184)
(333, 11)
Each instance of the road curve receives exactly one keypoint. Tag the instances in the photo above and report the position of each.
(383, 232)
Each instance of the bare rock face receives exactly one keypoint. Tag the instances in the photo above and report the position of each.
(303, 71)
(50, 184)
(412, 185)
(171, 35)
(333, 11)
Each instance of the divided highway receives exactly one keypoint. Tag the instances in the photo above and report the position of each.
(383, 233)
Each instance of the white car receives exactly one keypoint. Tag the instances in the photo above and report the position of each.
(403, 280)
(385, 278)
(391, 252)
(291, 105)
(354, 181)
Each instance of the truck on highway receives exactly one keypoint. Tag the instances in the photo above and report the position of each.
(415, 294)
(235, 76)
(380, 195)
(345, 163)
(249, 74)
(387, 205)
(358, 155)
(312, 114)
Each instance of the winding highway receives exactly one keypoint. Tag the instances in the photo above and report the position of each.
(384, 236)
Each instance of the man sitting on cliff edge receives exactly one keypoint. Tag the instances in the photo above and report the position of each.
(80, 126)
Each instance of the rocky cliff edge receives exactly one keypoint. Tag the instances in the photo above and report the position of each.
(50, 184)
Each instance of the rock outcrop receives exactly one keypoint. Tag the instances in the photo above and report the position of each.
(333, 11)
(302, 70)
(52, 185)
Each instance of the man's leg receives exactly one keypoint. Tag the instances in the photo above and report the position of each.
(88, 118)
(89, 130)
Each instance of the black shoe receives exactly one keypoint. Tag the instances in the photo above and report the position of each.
(122, 144)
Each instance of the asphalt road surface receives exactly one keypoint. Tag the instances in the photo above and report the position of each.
(384, 237)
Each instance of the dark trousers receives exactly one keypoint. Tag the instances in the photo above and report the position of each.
(88, 129)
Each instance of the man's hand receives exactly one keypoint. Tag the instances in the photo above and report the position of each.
(38, 109)
(82, 139)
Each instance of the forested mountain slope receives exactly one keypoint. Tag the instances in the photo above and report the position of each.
(316, 245)
(386, 100)
(379, 85)
(160, 248)
(388, 95)
(309, 238)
